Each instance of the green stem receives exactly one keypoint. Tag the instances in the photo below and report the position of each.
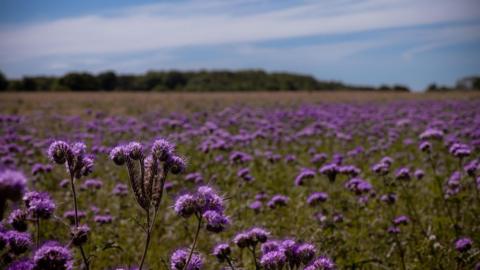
(199, 226)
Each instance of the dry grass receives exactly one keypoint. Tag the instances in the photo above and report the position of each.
(134, 102)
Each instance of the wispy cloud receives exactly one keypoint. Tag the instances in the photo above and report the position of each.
(192, 23)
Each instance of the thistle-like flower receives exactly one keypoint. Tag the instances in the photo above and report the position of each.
(147, 175)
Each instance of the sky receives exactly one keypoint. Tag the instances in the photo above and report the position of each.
(366, 42)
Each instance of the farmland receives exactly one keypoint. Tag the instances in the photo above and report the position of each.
(327, 180)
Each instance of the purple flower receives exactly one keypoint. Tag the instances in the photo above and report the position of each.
(216, 222)
(278, 200)
(251, 237)
(431, 133)
(316, 198)
(273, 260)
(12, 185)
(18, 220)
(330, 170)
(117, 155)
(305, 253)
(389, 198)
(39, 205)
(358, 186)
(321, 263)
(318, 159)
(162, 150)
(401, 220)
(59, 152)
(304, 175)
(70, 215)
(103, 219)
(179, 258)
(256, 206)
(403, 174)
(221, 251)
(425, 147)
(206, 198)
(134, 150)
(92, 184)
(349, 170)
(177, 165)
(185, 205)
(79, 234)
(419, 174)
(21, 265)
(53, 256)
(19, 242)
(120, 190)
(460, 150)
(271, 245)
(463, 244)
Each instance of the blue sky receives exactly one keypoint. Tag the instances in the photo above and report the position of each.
(371, 42)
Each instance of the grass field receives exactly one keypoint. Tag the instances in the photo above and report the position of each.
(399, 175)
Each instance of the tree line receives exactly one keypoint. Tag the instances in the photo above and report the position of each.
(219, 80)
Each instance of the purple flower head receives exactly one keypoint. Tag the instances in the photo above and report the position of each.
(289, 248)
(179, 258)
(185, 205)
(53, 256)
(59, 152)
(221, 251)
(472, 167)
(103, 219)
(319, 159)
(240, 157)
(387, 160)
(330, 170)
(92, 184)
(177, 165)
(403, 174)
(305, 253)
(12, 185)
(19, 242)
(460, 150)
(393, 230)
(242, 240)
(269, 246)
(389, 198)
(277, 201)
(349, 170)
(244, 173)
(401, 220)
(358, 186)
(304, 175)
(195, 177)
(431, 133)
(39, 204)
(117, 155)
(321, 263)
(216, 222)
(425, 147)
(381, 168)
(162, 150)
(316, 198)
(79, 149)
(79, 234)
(70, 215)
(419, 174)
(256, 206)
(463, 244)
(273, 260)
(134, 150)
(21, 265)
(18, 220)
(258, 235)
(206, 198)
(120, 190)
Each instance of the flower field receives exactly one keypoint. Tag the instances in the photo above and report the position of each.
(247, 181)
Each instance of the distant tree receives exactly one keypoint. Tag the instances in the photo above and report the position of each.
(384, 87)
(29, 84)
(3, 82)
(174, 80)
(476, 83)
(107, 80)
(79, 81)
(400, 88)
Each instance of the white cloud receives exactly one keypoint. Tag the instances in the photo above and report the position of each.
(196, 23)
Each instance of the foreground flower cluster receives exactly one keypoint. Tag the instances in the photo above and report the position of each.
(329, 186)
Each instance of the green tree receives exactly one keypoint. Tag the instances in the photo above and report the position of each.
(3, 82)
(107, 80)
(79, 81)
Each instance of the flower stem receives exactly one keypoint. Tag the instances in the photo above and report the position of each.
(257, 267)
(72, 184)
(199, 226)
(230, 263)
(147, 241)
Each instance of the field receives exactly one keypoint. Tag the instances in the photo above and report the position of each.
(331, 180)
